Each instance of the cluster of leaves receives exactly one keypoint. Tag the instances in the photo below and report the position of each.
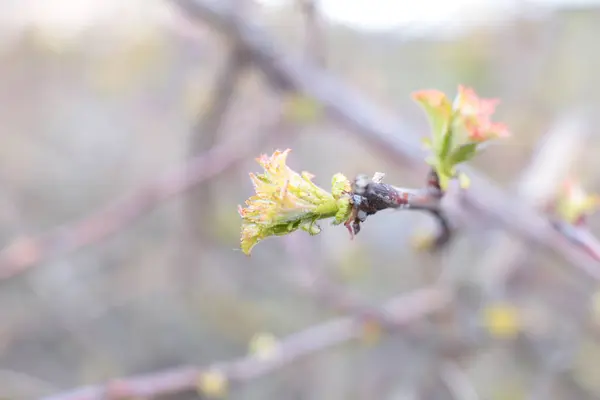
(286, 201)
(458, 129)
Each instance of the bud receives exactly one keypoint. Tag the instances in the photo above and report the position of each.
(212, 384)
(574, 204)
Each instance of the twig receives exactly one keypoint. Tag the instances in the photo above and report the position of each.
(370, 196)
(580, 236)
(381, 130)
(445, 230)
(399, 312)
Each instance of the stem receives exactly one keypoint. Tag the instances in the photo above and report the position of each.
(377, 196)
(327, 210)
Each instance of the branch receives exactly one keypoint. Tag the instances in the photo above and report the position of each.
(370, 196)
(26, 252)
(205, 134)
(580, 236)
(538, 185)
(458, 382)
(290, 73)
(315, 40)
(381, 131)
(397, 312)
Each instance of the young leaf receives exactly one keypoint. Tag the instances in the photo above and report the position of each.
(438, 109)
(286, 201)
(445, 145)
(462, 154)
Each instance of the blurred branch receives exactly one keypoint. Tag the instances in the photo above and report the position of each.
(580, 236)
(27, 251)
(309, 276)
(398, 312)
(205, 135)
(457, 381)
(380, 130)
(289, 73)
(206, 132)
(538, 186)
(313, 30)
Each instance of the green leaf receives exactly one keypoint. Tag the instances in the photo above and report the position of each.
(445, 145)
(438, 116)
(311, 227)
(344, 211)
(340, 185)
(462, 154)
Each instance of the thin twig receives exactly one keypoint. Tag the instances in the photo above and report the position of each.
(445, 230)
(370, 196)
(581, 236)
(399, 312)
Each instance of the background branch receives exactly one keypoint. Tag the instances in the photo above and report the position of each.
(539, 185)
(315, 40)
(204, 136)
(398, 312)
(28, 251)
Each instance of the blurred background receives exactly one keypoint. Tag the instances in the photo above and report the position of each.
(100, 98)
